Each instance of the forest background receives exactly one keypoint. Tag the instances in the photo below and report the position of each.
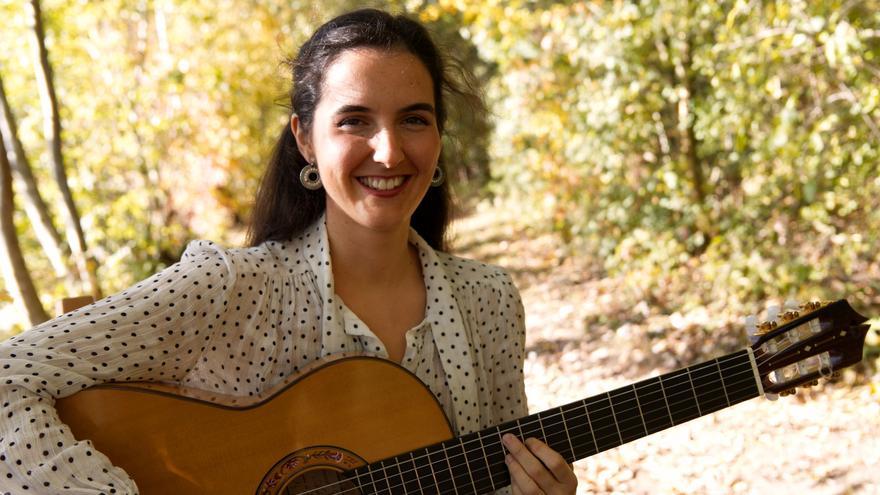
(710, 158)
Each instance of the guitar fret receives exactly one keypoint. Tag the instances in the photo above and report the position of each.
(415, 470)
(572, 458)
(551, 424)
(392, 475)
(373, 479)
(600, 415)
(442, 475)
(385, 476)
(639, 405)
(741, 372)
(580, 431)
(694, 390)
(541, 425)
(590, 426)
(451, 472)
(653, 405)
(486, 460)
(682, 401)
(666, 400)
(357, 476)
(462, 482)
(466, 463)
(723, 387)
(710, 395)
(629, 422)
(476, 462)
(500, 476)
(431, 465)
(616, 424)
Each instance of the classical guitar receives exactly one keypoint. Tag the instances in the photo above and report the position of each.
(365, 425)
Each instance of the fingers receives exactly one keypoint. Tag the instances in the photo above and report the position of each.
(536, 468)
(520, 481)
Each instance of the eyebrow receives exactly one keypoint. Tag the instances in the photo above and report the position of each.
(426, 107)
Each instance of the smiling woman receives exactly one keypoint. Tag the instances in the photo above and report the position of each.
(346, 255)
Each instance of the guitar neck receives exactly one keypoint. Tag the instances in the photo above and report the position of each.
(474, 463)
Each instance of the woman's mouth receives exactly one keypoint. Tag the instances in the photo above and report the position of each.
(382, 183)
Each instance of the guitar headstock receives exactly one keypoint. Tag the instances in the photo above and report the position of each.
(806, 343)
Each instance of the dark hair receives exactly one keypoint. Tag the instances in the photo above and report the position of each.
(284, 208)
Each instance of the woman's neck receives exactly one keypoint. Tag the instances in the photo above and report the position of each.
(364, 257)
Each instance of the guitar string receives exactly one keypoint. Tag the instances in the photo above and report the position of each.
(452, 478)
(513, 428)
(490, 466)
(749, 371)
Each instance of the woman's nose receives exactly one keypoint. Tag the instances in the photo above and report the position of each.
(387, 148)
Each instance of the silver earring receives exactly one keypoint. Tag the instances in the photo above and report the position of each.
(310, 178)
(438, 177)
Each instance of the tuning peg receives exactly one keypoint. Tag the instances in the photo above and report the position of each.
(765, 327)
(810, 306)
(789, 316)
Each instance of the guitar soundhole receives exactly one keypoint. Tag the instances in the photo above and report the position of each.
(313, 471)
(320, 482)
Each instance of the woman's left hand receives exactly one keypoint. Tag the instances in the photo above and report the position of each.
(536, 468)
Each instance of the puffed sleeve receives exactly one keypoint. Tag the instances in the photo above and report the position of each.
(155, 330)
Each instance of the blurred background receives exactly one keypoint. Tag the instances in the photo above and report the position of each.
(650, 172)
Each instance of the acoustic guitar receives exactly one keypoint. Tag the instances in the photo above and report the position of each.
(365, 425)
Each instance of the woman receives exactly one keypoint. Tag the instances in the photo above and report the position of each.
(345, 256)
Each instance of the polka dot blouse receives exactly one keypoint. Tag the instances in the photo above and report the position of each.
(239, 321)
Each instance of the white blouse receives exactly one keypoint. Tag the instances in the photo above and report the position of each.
(239, 321)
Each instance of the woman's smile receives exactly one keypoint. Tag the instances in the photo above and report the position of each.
(383, 186)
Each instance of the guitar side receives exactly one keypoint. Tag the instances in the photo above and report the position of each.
(172, 443)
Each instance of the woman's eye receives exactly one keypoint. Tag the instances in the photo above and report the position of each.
(349, 122)
(416, 120)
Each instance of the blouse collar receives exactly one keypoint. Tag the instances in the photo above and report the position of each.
(442, 313)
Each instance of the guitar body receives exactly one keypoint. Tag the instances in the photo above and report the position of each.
(337, 416)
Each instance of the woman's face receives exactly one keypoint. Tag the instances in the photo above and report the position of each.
(374, 137)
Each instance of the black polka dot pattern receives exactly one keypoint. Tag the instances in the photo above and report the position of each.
(238, 322)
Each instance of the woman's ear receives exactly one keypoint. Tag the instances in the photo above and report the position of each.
(302, 138)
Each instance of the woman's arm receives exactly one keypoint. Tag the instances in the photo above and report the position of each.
(155, 330)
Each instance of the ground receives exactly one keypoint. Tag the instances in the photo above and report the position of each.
(587, 334)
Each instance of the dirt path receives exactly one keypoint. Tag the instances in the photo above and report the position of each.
(588, 335)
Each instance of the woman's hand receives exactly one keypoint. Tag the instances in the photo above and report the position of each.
(536, 468)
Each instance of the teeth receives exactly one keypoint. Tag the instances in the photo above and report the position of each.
(380, 183)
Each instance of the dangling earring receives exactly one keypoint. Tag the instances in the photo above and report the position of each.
(438, 177)
(310, 178)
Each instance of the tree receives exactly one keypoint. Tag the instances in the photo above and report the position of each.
(15, 272)
(36, 208)
(52, 129)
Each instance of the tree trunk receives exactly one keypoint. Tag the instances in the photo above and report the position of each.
(15, 272)
(52, 129)
(687, 122)
(35, 207)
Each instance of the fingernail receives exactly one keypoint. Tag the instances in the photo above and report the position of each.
(507, 439)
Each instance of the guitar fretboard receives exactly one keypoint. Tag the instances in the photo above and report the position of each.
(474, 463)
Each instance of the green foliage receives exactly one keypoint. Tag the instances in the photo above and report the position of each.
(740, 134)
